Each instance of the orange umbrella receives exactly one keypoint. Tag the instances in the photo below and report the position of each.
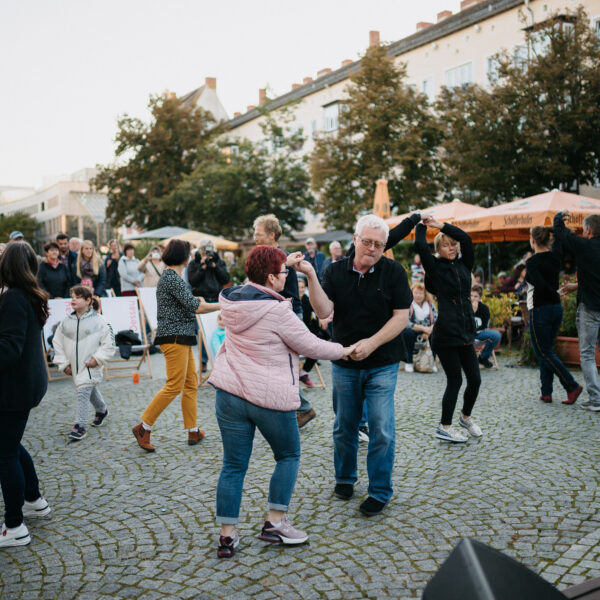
(512, 221)
(381, 206)
(448, 212)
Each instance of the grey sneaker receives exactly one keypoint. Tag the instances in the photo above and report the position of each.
(284, 533)
(585, 404)
(470, 426)
(37, 508)
(450, 435)
(593, 407)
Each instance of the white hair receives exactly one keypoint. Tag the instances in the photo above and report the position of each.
(373, 222)
(333, 243)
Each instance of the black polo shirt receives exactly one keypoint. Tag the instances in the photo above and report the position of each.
(363, 304)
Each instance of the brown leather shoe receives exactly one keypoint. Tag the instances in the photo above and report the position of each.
(194, 437)
(305, 417)
(143, 438)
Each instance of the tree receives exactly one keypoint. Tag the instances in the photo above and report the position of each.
(385, 130)
(18, 221)
(156, 157)
(536, 127)
(237, 180)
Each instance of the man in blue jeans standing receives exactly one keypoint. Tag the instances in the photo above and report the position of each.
(370, 297)
(586, 250)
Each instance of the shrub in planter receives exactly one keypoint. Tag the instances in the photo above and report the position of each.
(502, 308)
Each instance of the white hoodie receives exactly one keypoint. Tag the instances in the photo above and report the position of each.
(77, 340)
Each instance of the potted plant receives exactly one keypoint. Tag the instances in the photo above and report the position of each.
(567, 342)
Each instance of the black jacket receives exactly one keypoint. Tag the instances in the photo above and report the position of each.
(587, 257)
(56, 281)
(450, 282)
(113, 280)
(207, 282)
(23, 378)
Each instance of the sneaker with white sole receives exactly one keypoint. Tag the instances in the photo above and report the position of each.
(450, 435)
(409, 368)
(363, 434)
(470, 426)
(593, 407)
(14, 536)
(284, 533)
(434, 369)
(37, 508)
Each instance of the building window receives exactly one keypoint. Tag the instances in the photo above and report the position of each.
(427, 88)
(492, 68)
(596, 25)
(461, 75)
(330, 116)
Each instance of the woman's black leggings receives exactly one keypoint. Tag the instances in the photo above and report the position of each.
(453, 359)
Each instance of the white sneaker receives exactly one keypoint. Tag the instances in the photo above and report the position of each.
(435, 369)
(409, 368)
(470, 426)
(15, 536)
(38, 508)
(450, 435)
(363, 434)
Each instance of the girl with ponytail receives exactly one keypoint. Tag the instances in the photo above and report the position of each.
(546, 313)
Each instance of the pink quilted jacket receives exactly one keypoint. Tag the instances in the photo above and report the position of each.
(258, 360)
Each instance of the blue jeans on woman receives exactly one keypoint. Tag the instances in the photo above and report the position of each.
(544, 323)
(18, 478)
(375, 389)
(238, 419)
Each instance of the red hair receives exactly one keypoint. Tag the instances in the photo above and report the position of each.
(262, 261)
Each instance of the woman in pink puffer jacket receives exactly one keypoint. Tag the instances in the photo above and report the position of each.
(256, 377)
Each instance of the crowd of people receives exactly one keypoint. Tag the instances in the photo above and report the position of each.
(357, 309)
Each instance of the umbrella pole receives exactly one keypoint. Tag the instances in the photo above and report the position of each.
(489, 263)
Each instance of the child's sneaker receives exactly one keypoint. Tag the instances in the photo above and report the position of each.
(99, 418)
(78, 432)
(15, 536)
(37, 508)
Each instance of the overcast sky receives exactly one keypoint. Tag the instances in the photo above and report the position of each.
(69, 68)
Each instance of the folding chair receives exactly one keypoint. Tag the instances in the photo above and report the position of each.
(479, 346)
(322, 383)
(58, 309)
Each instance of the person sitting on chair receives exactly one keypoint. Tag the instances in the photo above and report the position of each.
(489, 337)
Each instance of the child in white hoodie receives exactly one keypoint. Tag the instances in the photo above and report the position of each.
(83, 342)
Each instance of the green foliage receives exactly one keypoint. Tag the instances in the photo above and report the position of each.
(536, 127)
(385, 130)
(151, 159)
(527, 356)
(502, 308)
(568, 327)
(18, 221)
(237, 180)
(142, 247)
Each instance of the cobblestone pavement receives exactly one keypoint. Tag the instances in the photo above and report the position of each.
(126, 524)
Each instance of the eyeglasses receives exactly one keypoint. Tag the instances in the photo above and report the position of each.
(285, 271)
(371, 243)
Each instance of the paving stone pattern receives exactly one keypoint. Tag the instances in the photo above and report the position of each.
(126, 524)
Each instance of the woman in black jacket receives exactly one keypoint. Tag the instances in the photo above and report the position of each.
(448, 277)
(23, 383)
(546, 313)
(53, 276)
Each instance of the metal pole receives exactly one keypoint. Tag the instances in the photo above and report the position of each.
(489, 263)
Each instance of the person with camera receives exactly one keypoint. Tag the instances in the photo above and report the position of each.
(207, 273)
(152, 267)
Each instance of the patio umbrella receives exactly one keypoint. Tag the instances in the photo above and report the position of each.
(381, 206)
(194, 237)
(160, 234)
(448, 212)
(512, 221)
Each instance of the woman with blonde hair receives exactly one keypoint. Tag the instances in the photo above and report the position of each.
(448, 277)
(89, 269)
(421, 317)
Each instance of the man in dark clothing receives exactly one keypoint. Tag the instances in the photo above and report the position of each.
(483, 334)
(67, 257)
(586, 250)
(313, 256)
(267, 231)
(207, 273)
(370, 297)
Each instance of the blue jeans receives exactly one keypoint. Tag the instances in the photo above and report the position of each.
(588, 329)
(544, 323)
(18, 478)
(375, 388)
(238, 420)
(491, 337)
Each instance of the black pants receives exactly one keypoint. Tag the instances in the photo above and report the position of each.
(454, 359)
(18, 478)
